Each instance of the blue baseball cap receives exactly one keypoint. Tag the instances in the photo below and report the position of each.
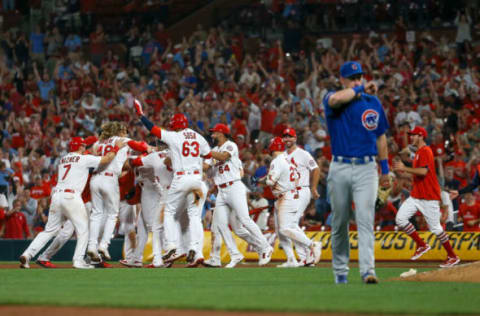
(351, 68)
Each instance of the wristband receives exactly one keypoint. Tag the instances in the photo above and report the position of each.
(359, 89)
(384, 166)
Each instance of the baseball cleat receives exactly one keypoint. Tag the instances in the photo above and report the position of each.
(102, 265)
(289, 264)
(212, 263)
(93, 254)
(195, 263)
(191, 256)
(266, 256)
(341, 279)
(82, 265)
(174, 258)
(169, 254)
(168, 264)
(138, 107)
(234, 261)
(420, 251)
(103, 252)
(24, 262)
(154, 266)
(450, 262)
(46, 264)
(369, 278)
(131, 264)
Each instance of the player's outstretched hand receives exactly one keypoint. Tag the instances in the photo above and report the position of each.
(138, 107)
(371, 87)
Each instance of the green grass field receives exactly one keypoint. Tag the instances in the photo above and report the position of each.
(261, 289)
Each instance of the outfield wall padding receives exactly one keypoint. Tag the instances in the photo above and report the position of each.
(389, 246)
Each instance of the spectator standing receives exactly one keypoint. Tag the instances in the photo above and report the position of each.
(15, 223)
(37, 46)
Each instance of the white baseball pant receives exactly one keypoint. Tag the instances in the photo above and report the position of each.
(64, 206)
(286, 223)
(430, 209)
(127, 217)
(105, 202)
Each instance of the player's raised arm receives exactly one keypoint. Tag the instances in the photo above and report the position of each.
(351, 77)
(155, 130)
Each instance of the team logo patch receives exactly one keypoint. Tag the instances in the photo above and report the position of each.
(354, 67)
(370, 119)
(229, 147)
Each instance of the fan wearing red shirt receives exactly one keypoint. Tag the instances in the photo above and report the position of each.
(469, 213)
(15, 223)
(424, 197)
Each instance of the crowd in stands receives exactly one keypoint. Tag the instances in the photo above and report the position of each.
(56, 82)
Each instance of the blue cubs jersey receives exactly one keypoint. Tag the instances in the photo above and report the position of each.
(355, 126)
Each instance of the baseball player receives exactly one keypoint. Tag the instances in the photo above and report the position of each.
(424, 197)
(105, 189)
(67, 203)
(127, 216)
(283, 177)
(307, 188)
(357, 124)
(232, 196)
(154, 178)
(67, 230)
(187, 151)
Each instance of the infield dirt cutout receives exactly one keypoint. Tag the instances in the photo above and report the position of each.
(469, 272)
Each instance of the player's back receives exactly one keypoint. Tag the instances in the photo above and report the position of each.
(187, 149)
(73, 171)
(154, 169)
(103, 147)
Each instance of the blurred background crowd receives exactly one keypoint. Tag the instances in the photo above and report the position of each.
(68, 66)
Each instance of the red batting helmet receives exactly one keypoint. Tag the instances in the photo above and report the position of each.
(76, 143)
(289, 132)
(178, 121)
(221, 128)
(277, 144)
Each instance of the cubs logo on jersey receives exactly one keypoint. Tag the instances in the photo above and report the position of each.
(370, 119)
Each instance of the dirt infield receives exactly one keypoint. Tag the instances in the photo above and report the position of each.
(82, 311)
(462, 273)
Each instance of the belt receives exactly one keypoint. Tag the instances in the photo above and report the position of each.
(226, 184)
(291, 191)
(107, 174)
(65, 190)
(181, 173)
(354, 160)
(299, 188)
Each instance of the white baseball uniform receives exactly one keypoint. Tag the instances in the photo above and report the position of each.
(127, 216)
(155, 178)
(304, 164)
(67, 203)
(187, 151)
(232, 196)
(283, 177)
(105, 193)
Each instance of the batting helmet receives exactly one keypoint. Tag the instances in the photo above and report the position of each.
(277, 144)
(76, 143)
(221, 128)
(178, 121)
(289, 132)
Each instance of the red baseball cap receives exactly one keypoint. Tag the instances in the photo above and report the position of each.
(289, 132)
(221, 128)
(418, 130)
